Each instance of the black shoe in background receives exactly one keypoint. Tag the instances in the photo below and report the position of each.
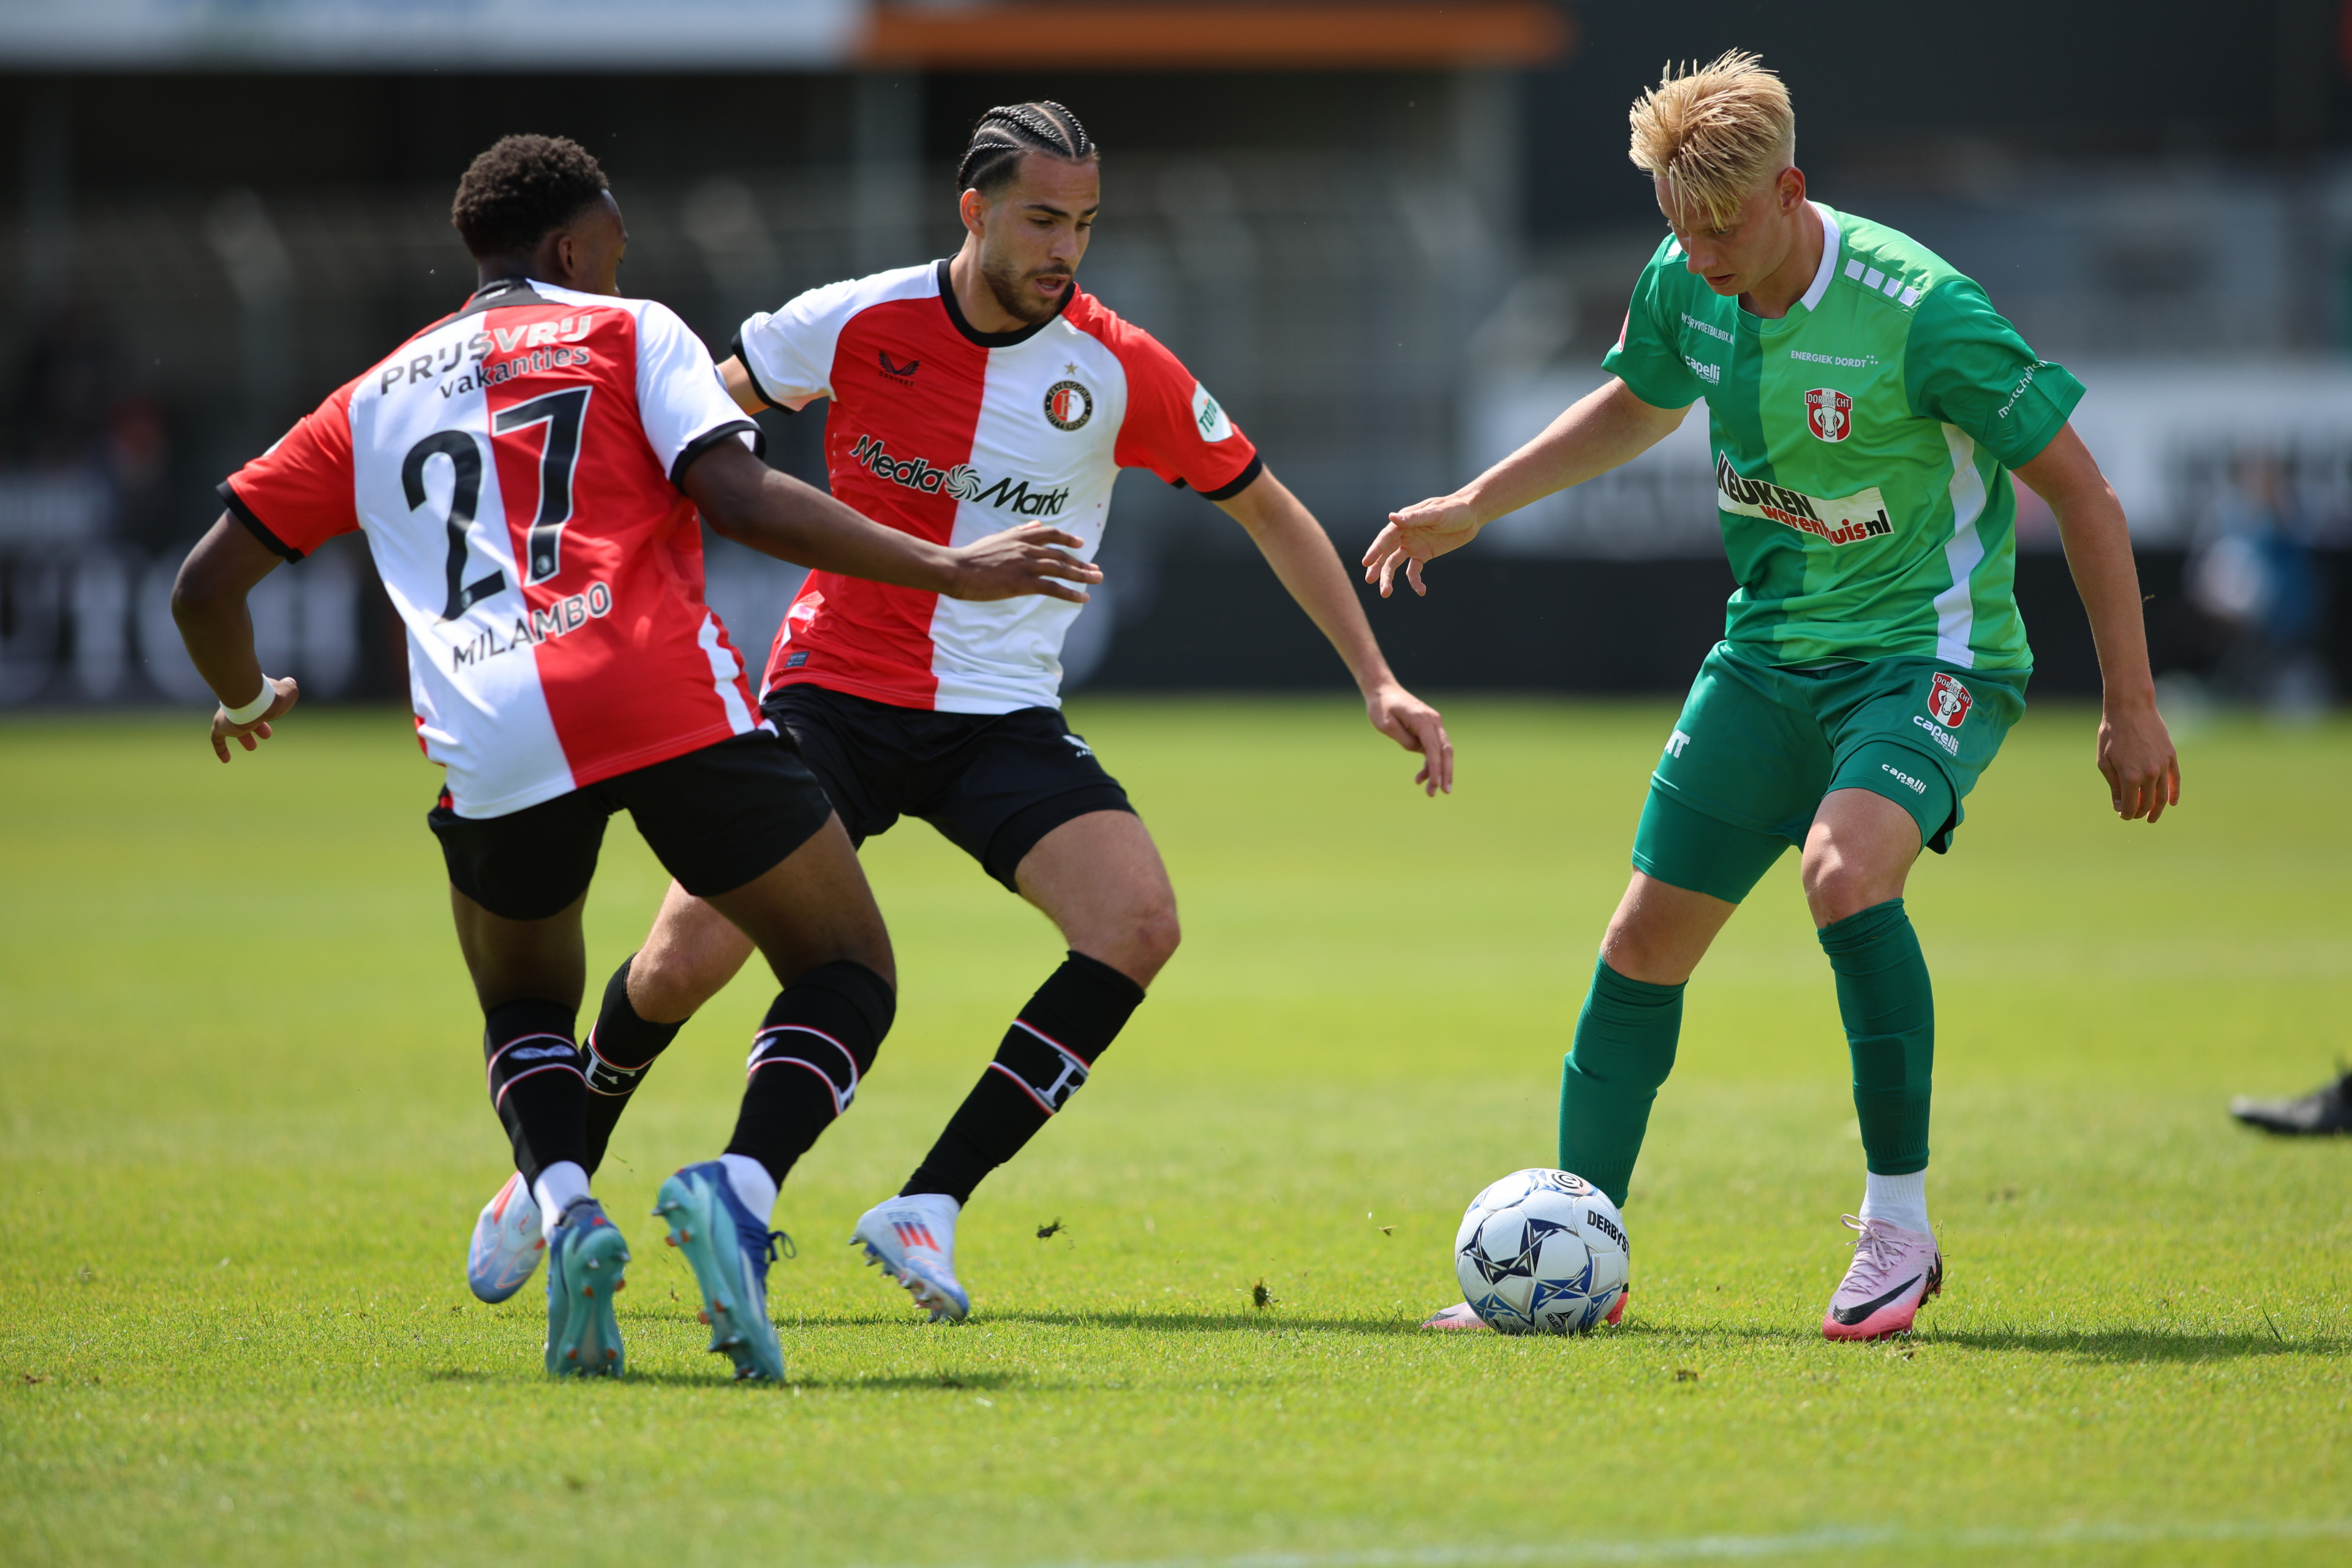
(2328, 1109)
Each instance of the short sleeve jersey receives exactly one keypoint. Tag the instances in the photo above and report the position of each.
(514, 468)
(1862, 447)
(951, 434)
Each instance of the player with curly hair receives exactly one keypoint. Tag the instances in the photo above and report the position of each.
(962, 394)
(529, 473)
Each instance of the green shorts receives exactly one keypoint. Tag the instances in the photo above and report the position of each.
(1758, 745)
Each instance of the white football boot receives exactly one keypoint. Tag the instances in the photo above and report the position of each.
(913, 1238)
(506, 1245)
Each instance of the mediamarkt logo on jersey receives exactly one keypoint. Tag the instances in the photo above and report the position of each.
(1862, 515)
(963, 481)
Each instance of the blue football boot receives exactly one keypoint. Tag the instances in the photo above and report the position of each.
(585, 1260)
(730, 1253)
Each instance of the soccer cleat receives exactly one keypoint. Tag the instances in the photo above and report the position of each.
(729, 1252)
(913, 1238)
(586, 1260)
(507, 1243)
(2326, 1109)
(1463, 1319)
(1894, 1273)
(1458, 1319)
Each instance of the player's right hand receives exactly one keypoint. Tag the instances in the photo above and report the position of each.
(1020, 560)
(1422, 531)
(250, 736)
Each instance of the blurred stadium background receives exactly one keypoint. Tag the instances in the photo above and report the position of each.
(1395, 237)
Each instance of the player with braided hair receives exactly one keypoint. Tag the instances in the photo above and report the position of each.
(964, 395)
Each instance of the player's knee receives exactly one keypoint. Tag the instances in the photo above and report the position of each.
(1648, 951)
(1156, 929)
(1138, 940)
(1838, 885)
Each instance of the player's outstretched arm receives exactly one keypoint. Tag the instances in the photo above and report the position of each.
(751, 503)
(1600, 430)
(1300, 553)
(2135, 752)
(208, 602)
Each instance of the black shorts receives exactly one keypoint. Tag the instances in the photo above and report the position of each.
(715, 818)
(993, 784)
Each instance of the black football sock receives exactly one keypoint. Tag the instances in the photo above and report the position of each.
(621, 1048)
(536, 1084)
(818, 1039)
(1045, 1059)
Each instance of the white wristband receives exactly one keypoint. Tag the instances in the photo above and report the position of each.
(254, 708)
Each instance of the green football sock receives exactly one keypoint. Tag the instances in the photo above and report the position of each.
(1890, 1025)
(1624, 1048)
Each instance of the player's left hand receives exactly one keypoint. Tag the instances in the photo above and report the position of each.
(1417, 727)
(2136, 753)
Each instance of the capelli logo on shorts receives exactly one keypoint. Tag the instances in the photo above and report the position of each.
(1937, 733)
(1906, 780)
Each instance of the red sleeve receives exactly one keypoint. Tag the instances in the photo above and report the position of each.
(301, 493)
(1173, 426)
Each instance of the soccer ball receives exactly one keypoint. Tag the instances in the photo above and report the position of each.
(1541, 1252)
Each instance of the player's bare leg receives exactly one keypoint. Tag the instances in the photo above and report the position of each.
(1100, 877)
(1661, 932)
(1858, 854)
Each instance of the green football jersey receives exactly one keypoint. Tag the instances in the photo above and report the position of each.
(1862, 447)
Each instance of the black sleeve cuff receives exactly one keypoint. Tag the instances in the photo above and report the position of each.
(735, 350)
(711, 438)
(243, 514)
(1239, 482)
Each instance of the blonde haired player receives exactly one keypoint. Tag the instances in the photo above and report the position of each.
(1868, 408)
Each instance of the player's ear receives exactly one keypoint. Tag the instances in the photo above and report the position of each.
(972, 207)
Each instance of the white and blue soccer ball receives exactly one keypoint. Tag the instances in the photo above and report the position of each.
(1541, 1252)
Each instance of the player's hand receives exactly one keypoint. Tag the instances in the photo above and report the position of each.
(2136, 753)
(1422, 531)
(1020, 560)
(250, 736)
(1416, 726)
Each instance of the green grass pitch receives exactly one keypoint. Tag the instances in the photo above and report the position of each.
(244, 1137)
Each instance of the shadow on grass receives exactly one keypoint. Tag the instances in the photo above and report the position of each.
(2120, 1345)
(959, 1382)
(1268, 1322)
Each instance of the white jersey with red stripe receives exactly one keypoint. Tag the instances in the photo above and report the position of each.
(515, 468)
(951, 434)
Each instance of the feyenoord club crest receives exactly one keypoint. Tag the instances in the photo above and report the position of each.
(1829, 412)
(1068, 404)
(1949, 701)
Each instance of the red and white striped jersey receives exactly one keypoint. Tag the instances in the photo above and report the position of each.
(951, 435)
(515, 468)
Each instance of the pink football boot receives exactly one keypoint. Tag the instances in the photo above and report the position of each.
(1461, 1319)
(1894, 1271)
